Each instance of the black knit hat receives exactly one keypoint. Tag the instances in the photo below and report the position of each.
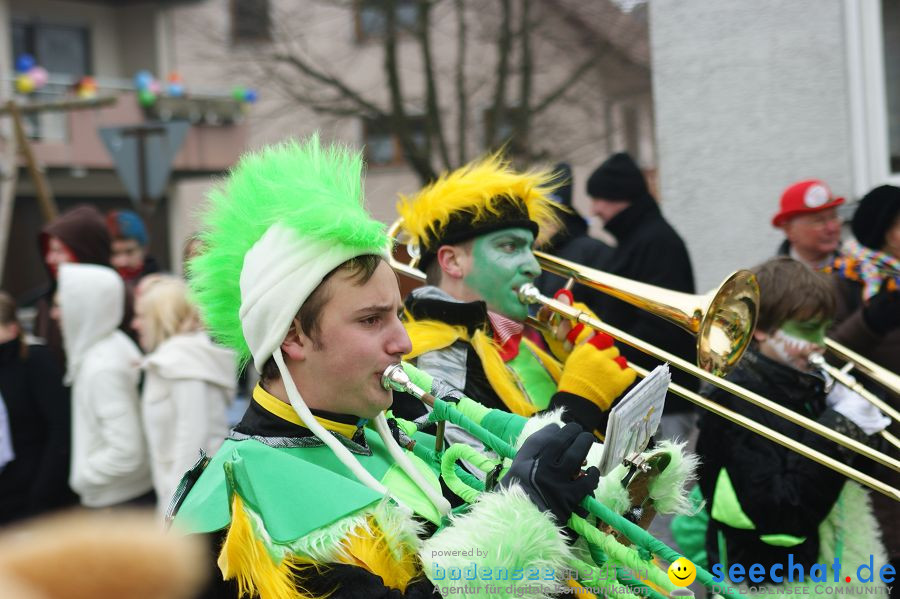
(875, 214)
(618, 179)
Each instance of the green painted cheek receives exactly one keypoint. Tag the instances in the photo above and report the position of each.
(496, 275)
(814, 332)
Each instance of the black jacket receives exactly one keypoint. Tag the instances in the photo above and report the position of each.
(573, 243)
(650, 251)
(779, 490)
(37, 480)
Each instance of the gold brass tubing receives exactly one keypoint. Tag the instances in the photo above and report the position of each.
(722, 320)
(893, 440)
(854, 385)
(879, 374)
(530, 294)
(781, 439)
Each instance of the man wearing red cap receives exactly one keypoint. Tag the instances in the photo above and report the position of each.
(809, 219)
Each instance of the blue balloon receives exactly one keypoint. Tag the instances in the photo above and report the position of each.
(143, 79)
(24, 63)
(250, 96)
(176, 90)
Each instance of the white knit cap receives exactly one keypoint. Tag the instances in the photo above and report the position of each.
(280, 272)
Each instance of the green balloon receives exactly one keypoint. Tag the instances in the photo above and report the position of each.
(146, 97)
(238, 93)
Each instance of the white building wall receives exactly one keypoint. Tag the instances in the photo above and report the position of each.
(749, 97)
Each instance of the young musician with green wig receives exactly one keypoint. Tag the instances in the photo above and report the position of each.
(314, 493)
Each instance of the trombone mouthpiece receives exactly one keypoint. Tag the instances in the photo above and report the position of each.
(395, 378)
(528, 294)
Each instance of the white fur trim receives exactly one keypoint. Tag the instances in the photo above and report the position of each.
(539, 421)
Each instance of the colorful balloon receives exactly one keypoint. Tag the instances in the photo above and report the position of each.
(238, 93)
(87, 88)
(176, 90)
(39, 76)
(146, 97)
(250, 96)
(143, 79)
(24, 84)
(24, 63)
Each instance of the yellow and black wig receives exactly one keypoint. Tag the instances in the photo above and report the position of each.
(483, 196)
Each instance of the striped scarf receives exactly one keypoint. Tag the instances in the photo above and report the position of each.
(870, 267)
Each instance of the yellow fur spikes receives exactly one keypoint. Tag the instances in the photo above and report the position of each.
(244, 557)
(479, 189)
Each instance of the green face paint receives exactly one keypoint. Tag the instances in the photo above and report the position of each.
(808, 330)
(502, 262)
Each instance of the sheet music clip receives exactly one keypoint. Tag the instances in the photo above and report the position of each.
(634, 420)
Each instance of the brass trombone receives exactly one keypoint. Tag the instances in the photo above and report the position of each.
(723, 321)
(884, 377)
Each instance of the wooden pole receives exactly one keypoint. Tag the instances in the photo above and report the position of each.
(10, 174)
(42, 189)
(61, 105)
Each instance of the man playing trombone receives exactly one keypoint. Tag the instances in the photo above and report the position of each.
(474, 230)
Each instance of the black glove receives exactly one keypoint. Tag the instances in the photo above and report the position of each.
(882, 312)
(548, 468)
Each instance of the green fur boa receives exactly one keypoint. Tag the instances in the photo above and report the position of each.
(483, 542)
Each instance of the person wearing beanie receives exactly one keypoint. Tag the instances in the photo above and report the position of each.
(129, 246)
(311, 494)
(78, 235)
(865, 276)
(649, 250)
(571, 242)
(808, 217)
(474, 229)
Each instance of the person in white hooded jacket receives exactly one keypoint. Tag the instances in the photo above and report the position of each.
(109, 455)
(188, 386)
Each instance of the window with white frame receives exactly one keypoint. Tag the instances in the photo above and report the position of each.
(62, 49)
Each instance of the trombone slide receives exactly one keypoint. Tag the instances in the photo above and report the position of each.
(781, 439)
(528, 293)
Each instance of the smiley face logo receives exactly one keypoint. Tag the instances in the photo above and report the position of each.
(682, 572)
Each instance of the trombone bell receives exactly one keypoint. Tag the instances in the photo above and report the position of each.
(722, 320)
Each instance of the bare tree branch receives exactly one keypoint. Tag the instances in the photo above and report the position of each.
(553, 96)
(523, 121)
(462, 98)
(419, 161)
(504, 43)
(433, 119)
(327, 80)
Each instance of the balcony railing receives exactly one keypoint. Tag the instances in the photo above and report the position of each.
(70, 138)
